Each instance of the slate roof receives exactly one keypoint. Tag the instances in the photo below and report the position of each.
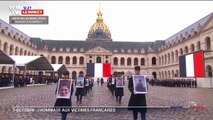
(197, 26)
(91, 44)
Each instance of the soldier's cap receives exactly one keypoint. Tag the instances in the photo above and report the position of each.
(66, 73)
(137, 68)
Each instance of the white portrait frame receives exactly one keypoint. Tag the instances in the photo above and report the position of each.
(119, 86)
(135, 79)
(68, 82)
(78, 79)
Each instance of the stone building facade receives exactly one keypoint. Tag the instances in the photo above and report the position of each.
(159, 58)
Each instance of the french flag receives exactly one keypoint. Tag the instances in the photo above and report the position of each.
(192, 65)
(99, 69)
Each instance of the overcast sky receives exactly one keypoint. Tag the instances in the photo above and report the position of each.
(127, 20)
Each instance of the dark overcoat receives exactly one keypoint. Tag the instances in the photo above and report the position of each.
(136, 100)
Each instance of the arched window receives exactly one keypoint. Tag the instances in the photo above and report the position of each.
(165, 59)
(98, 59)
(60, 60)
(162, 59)
(25, 52)
(73, 74)
(21, 51)
(208, 43)
(172, 56)
(181, 51)
(169, 75)
(209, 71)
(176, 55)
(115, 61)
(53, 60)
(122, 61)
(81, 60)
(177, 73)
(153, 60)
(67, 60)
(5, 47)
(165, 75)
(168, 58)
(129, 61)
(159, 60)
(16, 51)
(10, 70)
(186, 50)
(142, 61)
(74, 60)
(29, 53)
(159, 76)
(173, 74)
(135, 61)
(192, 48)
(11, 49)
(198, 46)
(154, 75)
(3, 69)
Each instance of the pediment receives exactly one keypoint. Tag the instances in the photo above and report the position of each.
(99, 49)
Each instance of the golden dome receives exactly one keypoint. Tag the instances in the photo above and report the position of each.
(99, 24)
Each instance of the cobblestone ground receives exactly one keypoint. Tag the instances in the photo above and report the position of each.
(43, 95)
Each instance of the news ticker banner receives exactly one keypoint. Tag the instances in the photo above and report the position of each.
(111, 109)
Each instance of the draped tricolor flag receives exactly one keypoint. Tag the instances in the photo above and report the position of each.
(192, 65)
(99, 69)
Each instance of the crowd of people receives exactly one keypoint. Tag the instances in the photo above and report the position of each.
(176, 82)
(19, 80)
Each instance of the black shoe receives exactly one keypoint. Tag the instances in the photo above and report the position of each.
(77, 101)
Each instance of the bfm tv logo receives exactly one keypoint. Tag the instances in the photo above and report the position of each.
(25, 10)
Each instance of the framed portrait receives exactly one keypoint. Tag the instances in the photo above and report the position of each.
(64, 88)
(87, 82)
(80, 82)
(139, 83)
(119, 82)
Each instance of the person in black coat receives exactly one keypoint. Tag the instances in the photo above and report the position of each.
(137, 102)
(102, 81)
(63, 103)
(80, 91)
(87, 83)
(119, 90)
(112, 84)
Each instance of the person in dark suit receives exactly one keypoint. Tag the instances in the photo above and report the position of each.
(119, 91)
(80, 91)
(86, 85)
(136, 100)
(102, 81)
(63, 103)
(112, 84)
